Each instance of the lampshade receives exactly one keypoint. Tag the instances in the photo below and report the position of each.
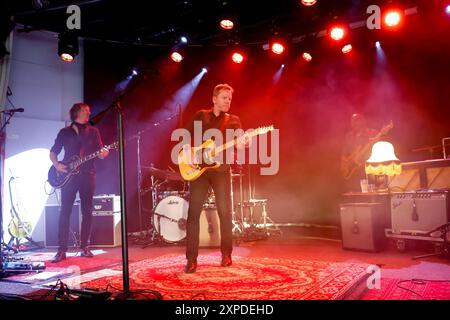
(383, 160)
(382, 151)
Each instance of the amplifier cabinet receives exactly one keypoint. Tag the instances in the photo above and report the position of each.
(106, 229)
(363, 226)
(419, 212)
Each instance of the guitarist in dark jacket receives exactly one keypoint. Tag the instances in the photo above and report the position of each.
(217, 117)
(355, 152)
(79, 138)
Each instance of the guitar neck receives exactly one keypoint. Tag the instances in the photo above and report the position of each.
(90, 157)
(225, 146)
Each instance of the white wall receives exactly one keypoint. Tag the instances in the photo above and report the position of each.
(46, 88)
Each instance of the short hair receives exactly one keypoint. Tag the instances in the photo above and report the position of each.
(75, 109)
(220, 87)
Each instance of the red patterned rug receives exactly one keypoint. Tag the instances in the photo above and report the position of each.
(246, 279)
(394, 289)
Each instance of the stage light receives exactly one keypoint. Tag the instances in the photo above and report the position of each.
(347, 48)
(447, 9)
(306, 56)
(377, 44)
(134, 72)
(237, 57)
(392, 18)
(282, 66)
(67, 46)
(183, 39)
(176, 57)
(277, 48)
(309, 2)
(226, 24)
(337, 33)
(204, 70)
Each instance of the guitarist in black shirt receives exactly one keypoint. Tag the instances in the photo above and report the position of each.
(219, 178)
(79, 138)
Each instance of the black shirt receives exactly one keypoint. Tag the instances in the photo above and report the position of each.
(88, 141)
(209, 121)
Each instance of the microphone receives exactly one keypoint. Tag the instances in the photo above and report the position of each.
(9, 111)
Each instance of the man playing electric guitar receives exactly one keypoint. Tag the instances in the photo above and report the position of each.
(219, 178)
(79, 138)
(357, 149)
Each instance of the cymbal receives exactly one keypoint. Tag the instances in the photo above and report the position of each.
(165, 174)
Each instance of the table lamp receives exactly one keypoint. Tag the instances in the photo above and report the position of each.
(382, 164)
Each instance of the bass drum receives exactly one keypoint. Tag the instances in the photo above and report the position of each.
(170, 217)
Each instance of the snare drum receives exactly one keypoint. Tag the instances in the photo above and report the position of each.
(170, 217)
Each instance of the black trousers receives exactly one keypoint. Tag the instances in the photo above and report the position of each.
(220, 182)
(84, 183)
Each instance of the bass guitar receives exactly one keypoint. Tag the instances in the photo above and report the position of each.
(351, 163)
(58, 179)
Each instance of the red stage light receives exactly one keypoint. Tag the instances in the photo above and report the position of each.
(177, 57)
(392, 18)
(277, 48)
(237, 57)
(347, 48)
(306, 56)
(337, 33)
(226, 24)
(309, 2)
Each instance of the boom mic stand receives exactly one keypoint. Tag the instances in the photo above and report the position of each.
(117, 105)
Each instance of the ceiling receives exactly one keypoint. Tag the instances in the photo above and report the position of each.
(161, 23)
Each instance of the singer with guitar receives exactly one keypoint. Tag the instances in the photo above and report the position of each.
(219, 178)
(77, 139)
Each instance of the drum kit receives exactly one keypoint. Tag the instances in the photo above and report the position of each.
(170, 211)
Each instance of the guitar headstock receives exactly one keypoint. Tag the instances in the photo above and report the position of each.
(114, 145)
(263, 130)
(387, 127)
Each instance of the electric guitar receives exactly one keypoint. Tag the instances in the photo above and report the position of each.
(18, 228)
(356, 159)
(58, 179)
(194, 161)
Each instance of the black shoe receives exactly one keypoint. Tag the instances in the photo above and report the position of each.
(226, 261)
(85, 252)
(191, 266)
(60, 256)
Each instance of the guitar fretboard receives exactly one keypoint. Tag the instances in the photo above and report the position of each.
(78, 163)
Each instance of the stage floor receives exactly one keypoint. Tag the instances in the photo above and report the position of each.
(299, 244)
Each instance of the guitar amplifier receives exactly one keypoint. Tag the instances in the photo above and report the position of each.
(51, 225)
(419, 212)
(106, 204)
(106, 227)
(363, 226)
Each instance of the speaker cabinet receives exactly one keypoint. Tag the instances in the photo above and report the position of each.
(419, 212)
(51, 225)
(106, 230)
(209, 229)
(362, 226)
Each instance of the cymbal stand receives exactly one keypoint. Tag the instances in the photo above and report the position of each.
(155, 237)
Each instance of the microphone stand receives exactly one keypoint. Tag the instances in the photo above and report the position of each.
(117, 105)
